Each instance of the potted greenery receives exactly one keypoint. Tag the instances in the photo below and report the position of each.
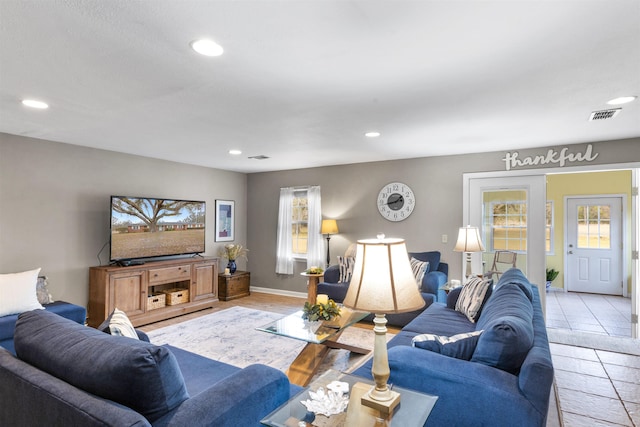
(319, 311)
(551, 275)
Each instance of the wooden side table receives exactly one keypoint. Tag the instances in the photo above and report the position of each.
(234, 286)
(312, 286)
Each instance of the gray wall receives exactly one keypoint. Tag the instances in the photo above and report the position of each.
(54, 205)
(349, 194)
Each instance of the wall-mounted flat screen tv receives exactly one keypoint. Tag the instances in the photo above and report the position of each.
(143, 227)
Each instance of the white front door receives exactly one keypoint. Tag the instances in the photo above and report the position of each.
(594, 245)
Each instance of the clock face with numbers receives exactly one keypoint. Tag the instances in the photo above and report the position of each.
(396, 201)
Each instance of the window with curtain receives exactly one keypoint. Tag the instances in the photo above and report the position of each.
(299, 221)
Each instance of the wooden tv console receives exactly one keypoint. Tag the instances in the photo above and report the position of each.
(139, 290)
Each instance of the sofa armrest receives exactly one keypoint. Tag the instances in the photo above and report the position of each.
(241, 399)
(432, 281)
(478, 387)
(54, 400)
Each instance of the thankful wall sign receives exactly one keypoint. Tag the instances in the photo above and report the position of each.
(561, 158)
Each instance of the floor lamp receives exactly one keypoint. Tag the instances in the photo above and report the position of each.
(329, 227)
(468, 242)
(382, 282)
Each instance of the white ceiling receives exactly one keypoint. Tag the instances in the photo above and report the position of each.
(302, 81)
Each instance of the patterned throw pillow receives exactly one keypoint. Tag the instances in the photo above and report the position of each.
(471, 298)
(419, 269)
(460, 346)
(42, 291)
(346, 268)
(118, 324)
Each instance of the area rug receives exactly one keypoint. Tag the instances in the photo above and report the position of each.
(230, 336)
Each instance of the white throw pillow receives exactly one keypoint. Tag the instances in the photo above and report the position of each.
(120, 325)
(18, 292)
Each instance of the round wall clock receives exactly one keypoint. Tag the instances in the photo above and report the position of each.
(396, 201)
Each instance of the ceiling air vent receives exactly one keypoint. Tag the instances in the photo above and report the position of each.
(260, 157)
(604, 114)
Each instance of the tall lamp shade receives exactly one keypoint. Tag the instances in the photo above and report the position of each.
(382, 282)
(469, 241)
(329, 227)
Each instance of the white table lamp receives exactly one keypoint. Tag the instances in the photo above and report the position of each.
(382, 282)
(468, 242)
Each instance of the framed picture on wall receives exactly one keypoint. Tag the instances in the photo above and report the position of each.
(225, 212)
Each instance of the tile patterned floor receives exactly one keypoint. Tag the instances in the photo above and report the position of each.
(595, 386)
(602, 314)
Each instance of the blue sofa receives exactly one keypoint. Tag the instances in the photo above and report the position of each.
(66, 374)
(506, 376)
(433, 280)
(70, 311)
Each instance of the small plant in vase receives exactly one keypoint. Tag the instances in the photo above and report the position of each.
(314, 270)
(551, 276)
(320, 311)
(231, 253)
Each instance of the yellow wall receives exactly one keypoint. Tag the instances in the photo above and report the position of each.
(581, 184)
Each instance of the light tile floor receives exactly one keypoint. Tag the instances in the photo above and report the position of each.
(597, 365)
(602, 314)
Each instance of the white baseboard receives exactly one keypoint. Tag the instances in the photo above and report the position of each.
(278, 292)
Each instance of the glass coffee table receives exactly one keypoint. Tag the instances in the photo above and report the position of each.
(320, 337)
(413, 410)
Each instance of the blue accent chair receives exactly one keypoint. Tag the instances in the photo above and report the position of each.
(433, 280)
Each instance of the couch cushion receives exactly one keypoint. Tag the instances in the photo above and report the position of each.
(504, 344)
(471, 298)
(18, 292)
(437, 319)
(507, 321)
(516, 277)
(139, 375)
(460, 346)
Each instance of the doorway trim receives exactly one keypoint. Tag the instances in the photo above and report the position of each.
(635, 215)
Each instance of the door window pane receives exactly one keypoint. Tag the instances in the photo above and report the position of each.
(594, 226)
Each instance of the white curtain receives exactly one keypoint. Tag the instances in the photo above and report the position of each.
(284, 257)
(315, 245)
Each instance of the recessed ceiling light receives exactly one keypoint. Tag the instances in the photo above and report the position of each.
(235, 152)
(372, 134)
(207, 47)
(622, 100)
(35, 104)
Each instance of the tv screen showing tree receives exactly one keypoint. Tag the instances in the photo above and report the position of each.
(144, 228)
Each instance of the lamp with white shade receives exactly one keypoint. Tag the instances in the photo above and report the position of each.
(382, 282)
(469, 242)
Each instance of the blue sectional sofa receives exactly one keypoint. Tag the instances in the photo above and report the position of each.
(433, 280)
(505, 375)
(70, 311)
(66, 374)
